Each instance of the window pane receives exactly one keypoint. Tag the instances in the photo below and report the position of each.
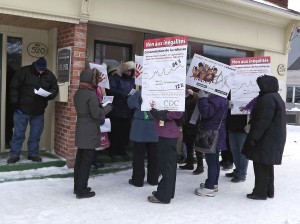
(289, 94)
(297, 95)
(112, 53)
(14, 61)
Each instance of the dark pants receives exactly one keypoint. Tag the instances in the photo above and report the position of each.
(264, 179)
(138, 166)
(167, 152)
(83, 163)
(213, 170)
(119, 136)
(190, 155)
(226, 155)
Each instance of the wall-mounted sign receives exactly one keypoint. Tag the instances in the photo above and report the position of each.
(37, 49)
(281, 69)
(64, 64)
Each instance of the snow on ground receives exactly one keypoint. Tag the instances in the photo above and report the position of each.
(48, 201)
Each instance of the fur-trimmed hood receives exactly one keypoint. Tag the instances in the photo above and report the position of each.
(129, 65)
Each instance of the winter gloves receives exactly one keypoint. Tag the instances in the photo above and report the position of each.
(160, 115)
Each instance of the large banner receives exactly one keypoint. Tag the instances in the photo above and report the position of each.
(209, 75)
(164, 73)
(243, 82)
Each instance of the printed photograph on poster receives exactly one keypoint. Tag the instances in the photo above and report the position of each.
(138, 70)
(104, 82)
(209, 75)
(243, 82)
(164, 74)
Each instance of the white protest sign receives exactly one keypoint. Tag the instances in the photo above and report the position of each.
(243, 82)
(138, 70)
(104, 82)
(164, 73)
(209, 75)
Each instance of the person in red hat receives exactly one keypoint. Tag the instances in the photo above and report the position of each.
(29, 104)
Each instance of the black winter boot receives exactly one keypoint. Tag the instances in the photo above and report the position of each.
(200, 168)
(188, 166)
(97, 163)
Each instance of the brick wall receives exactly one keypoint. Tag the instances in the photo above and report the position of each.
(281, 3)
(65, 114)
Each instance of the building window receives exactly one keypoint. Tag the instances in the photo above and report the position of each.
(111, 53)
(297, 95)
(293, 94)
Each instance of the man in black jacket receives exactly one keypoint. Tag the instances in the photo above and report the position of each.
(29, 104)
(265, 142)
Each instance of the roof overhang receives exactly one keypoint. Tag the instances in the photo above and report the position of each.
(247, 9)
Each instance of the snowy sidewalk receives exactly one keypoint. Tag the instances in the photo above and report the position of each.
(52, 201)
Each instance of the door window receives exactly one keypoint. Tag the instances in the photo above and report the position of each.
(111, 53)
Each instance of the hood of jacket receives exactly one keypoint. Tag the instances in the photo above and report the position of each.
(129, 65)
(89, 76)
(267, 84)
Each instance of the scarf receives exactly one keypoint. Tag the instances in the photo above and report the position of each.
(86, 85)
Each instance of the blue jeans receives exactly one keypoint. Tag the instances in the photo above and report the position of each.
(21, 121)
(236, 140)
(213, 170)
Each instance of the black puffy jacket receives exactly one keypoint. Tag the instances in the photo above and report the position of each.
(266, 139)
(22, 86)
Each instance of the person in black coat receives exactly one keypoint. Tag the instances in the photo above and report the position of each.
(265, 142)
(189, 132)
(121, 116)
(29, 105)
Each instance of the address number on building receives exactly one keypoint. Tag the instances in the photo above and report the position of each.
(37, 50)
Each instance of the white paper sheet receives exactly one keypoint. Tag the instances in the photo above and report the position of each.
(107, 99)
(106, 127)
(42, 92)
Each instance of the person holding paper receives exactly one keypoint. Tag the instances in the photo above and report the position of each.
(144, 138)
(87, 135)
(120, 87)
(168, 132)
(29, 107)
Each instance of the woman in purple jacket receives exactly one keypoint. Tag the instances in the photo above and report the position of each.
(213, 111)
(168, 132)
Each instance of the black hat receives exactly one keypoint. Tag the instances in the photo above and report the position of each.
(40, 64)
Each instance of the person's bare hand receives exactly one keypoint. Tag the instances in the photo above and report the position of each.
(190, 92)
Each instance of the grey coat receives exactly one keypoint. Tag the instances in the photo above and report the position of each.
(89, 117)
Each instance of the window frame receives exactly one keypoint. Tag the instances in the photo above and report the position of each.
(116, 44)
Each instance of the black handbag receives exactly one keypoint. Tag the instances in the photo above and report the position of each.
(207, 140)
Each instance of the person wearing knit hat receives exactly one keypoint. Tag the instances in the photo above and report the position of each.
(111, 70)
(120, 86)
(40, 64)
(29, 106)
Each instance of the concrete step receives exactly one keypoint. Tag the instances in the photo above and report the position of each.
(53, 166)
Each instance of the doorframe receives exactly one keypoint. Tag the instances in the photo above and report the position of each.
(3, 82)
(3, 92)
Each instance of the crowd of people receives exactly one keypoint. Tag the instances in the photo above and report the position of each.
(154, 134)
